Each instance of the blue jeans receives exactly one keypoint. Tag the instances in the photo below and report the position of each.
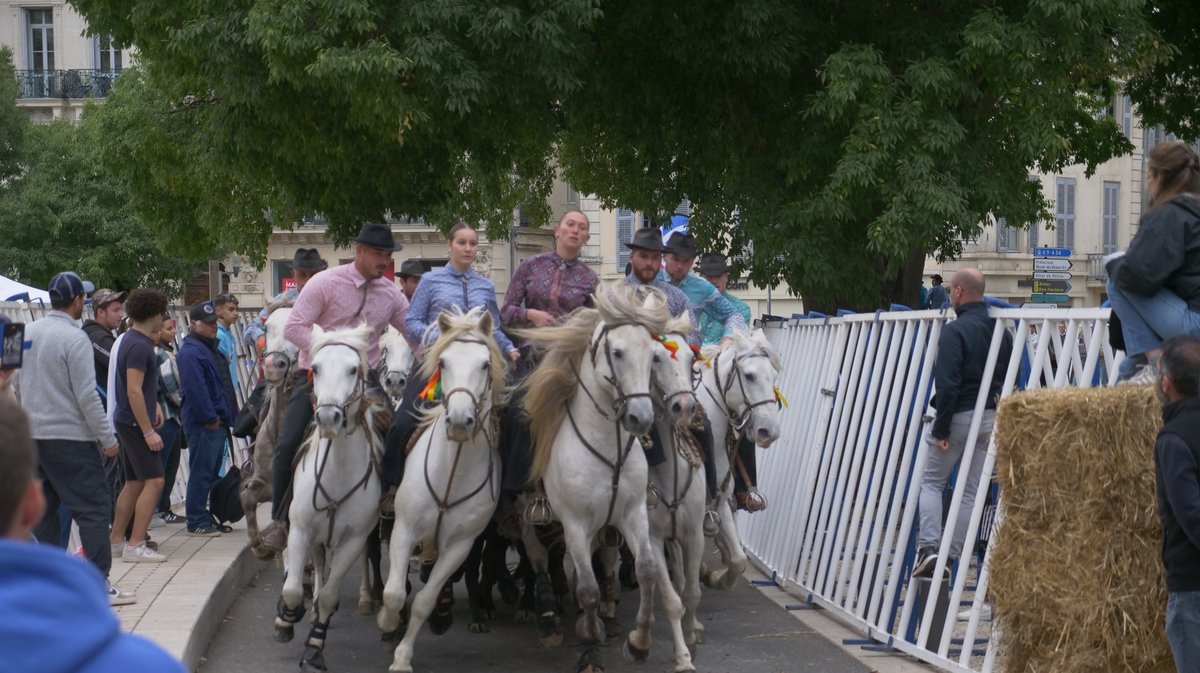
(1148, 321)
(170, 432)
(206, 448)
(1183, 630)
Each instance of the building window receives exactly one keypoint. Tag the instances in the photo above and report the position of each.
(1064, 213)
(1008, 239)
(107, 55)
(1127, 117)
(1112, 193)
(41, 39)
(624, 235)
(572, 196)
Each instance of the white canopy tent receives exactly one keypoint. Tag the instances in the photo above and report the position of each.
(10, 287)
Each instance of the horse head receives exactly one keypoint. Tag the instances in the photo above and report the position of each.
(339, 375)
(747, 370)
(469, 370)
(623, 349)
(396, 361)
(279, 356)
(674, 372)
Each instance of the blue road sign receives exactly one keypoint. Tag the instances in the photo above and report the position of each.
(1051, 252)
(1050, 298)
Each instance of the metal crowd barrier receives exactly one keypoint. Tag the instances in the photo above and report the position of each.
(845, 475)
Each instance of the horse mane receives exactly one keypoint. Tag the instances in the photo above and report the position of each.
(680, 324)
(462, 324)
(553, 384)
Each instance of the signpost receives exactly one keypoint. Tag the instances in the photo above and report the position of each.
(1051, 276)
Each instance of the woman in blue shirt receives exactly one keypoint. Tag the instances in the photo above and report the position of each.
(454, 286)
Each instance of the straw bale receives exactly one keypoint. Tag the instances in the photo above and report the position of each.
(1076, 578)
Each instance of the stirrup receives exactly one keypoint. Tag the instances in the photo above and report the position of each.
(538, 511)
(751, 501)
(712, 523)
(652, 496)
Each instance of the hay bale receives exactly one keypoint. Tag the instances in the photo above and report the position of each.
(1076, 578)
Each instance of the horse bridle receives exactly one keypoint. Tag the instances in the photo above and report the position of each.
(283, 354)
(381, 369)
(360, 386)
(477, 401)
(744, 417)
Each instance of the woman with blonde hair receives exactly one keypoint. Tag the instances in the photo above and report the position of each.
(1155, 285)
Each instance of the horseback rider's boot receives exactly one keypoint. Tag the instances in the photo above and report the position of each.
(274, 536)
(750, 501)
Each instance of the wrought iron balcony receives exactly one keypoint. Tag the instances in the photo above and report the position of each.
(1095, 267)
(65, 83)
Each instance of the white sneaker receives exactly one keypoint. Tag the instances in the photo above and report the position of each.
(985, 614)
(118, 548)
(117, 597)
(156, 522)
(141, 554)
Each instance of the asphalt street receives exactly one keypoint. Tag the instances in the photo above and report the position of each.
(745, 633)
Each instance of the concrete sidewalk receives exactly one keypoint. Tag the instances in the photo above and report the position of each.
(183, 601)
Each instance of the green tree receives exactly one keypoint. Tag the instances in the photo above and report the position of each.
(63, 212)
(1169, 93)
(12, 120)
(837, 143)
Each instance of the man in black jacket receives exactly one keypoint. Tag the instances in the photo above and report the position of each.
(959, 377)
(1177, 478)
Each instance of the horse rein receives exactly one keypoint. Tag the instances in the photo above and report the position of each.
(735, 425)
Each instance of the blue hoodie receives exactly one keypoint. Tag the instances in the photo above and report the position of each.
(57, 618)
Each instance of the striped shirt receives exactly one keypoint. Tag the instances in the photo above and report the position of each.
(677, 303)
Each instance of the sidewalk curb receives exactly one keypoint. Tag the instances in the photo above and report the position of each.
(210, 616)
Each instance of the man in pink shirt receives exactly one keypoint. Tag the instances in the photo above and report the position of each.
(345, 296)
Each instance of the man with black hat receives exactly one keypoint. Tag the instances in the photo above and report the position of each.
(645, 262)
(937, 297)
(306, 263)
(705, 299)
(346, 296)
(410, 276)
(714, 267)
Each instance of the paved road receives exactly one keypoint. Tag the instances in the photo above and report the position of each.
(745, 633)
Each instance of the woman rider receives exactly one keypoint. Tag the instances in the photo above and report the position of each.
(544, 288)
(444, 289)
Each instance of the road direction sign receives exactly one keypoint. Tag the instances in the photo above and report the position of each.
(1051, 252)
(1050, 298)
(1051, 286)
(1030, 304)
(1051, 275)
(1040, 264)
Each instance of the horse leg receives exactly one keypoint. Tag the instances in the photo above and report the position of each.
(371, 588)
(691, 550)
(250, 497)
(326, 603)
(610, 556)
(652, 574)
(491, 565)
(480, 614)
(450, 557)
(588, 628)
(729, 542)
(291, 600)
(395, 592)
(540, 591)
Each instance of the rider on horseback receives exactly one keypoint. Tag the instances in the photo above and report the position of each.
(346, 296)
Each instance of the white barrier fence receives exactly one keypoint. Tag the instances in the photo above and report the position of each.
(845, 475)
(245, 364)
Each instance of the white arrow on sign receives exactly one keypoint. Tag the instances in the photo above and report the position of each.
(1040, 264)
(1052, 275)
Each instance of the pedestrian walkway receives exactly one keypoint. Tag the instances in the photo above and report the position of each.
(183, 601)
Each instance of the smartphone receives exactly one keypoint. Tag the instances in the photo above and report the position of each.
(13, 345)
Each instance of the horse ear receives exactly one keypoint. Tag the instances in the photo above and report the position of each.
(650, 302)
(485, 322)
(443, 322)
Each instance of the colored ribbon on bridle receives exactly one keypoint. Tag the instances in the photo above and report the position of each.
(433, 390)
(670, 345)
(780, 400)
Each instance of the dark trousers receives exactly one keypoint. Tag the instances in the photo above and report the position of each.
(206, 452)
(172, 436)
(296, 418)
(73, 475)
(750, 460)
(404, 424)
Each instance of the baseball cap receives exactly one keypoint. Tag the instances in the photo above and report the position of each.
(105, 296)
(203, 312)
(68, 285)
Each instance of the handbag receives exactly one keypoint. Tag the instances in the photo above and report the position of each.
(225, 501)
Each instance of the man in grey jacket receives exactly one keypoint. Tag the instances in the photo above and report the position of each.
(57, 388)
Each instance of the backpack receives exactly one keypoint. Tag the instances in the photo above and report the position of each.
(225, 501)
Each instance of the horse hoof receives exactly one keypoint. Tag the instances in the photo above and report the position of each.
(634, 654)
(389, 636)
(260, 552)
(314, 660)
(589, 632)
(552, 640)
(589, 662)
(439, 624)
(284, 634)
(366, 608)
(684, 668)
(478, 627)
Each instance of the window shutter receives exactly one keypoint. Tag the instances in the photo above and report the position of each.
(624, 235)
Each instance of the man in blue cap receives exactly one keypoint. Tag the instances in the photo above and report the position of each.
(69, 424)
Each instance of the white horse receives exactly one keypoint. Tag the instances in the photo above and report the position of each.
(738, 395)
(336, 486)
(281, 374)
(396, 362)
(452, 478)
(586, 448)
(678, 520)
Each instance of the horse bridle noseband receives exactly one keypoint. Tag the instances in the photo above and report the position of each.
(744, 417)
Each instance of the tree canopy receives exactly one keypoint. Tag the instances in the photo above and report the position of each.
(831, 144)
(59, 210)
(1169, 92)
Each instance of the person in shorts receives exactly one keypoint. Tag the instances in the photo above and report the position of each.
(137, 419)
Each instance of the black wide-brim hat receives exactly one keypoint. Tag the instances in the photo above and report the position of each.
(411, 268)
(377, 236)
(713, 264)
(647, 238)
(682, 244)
(308, 259)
